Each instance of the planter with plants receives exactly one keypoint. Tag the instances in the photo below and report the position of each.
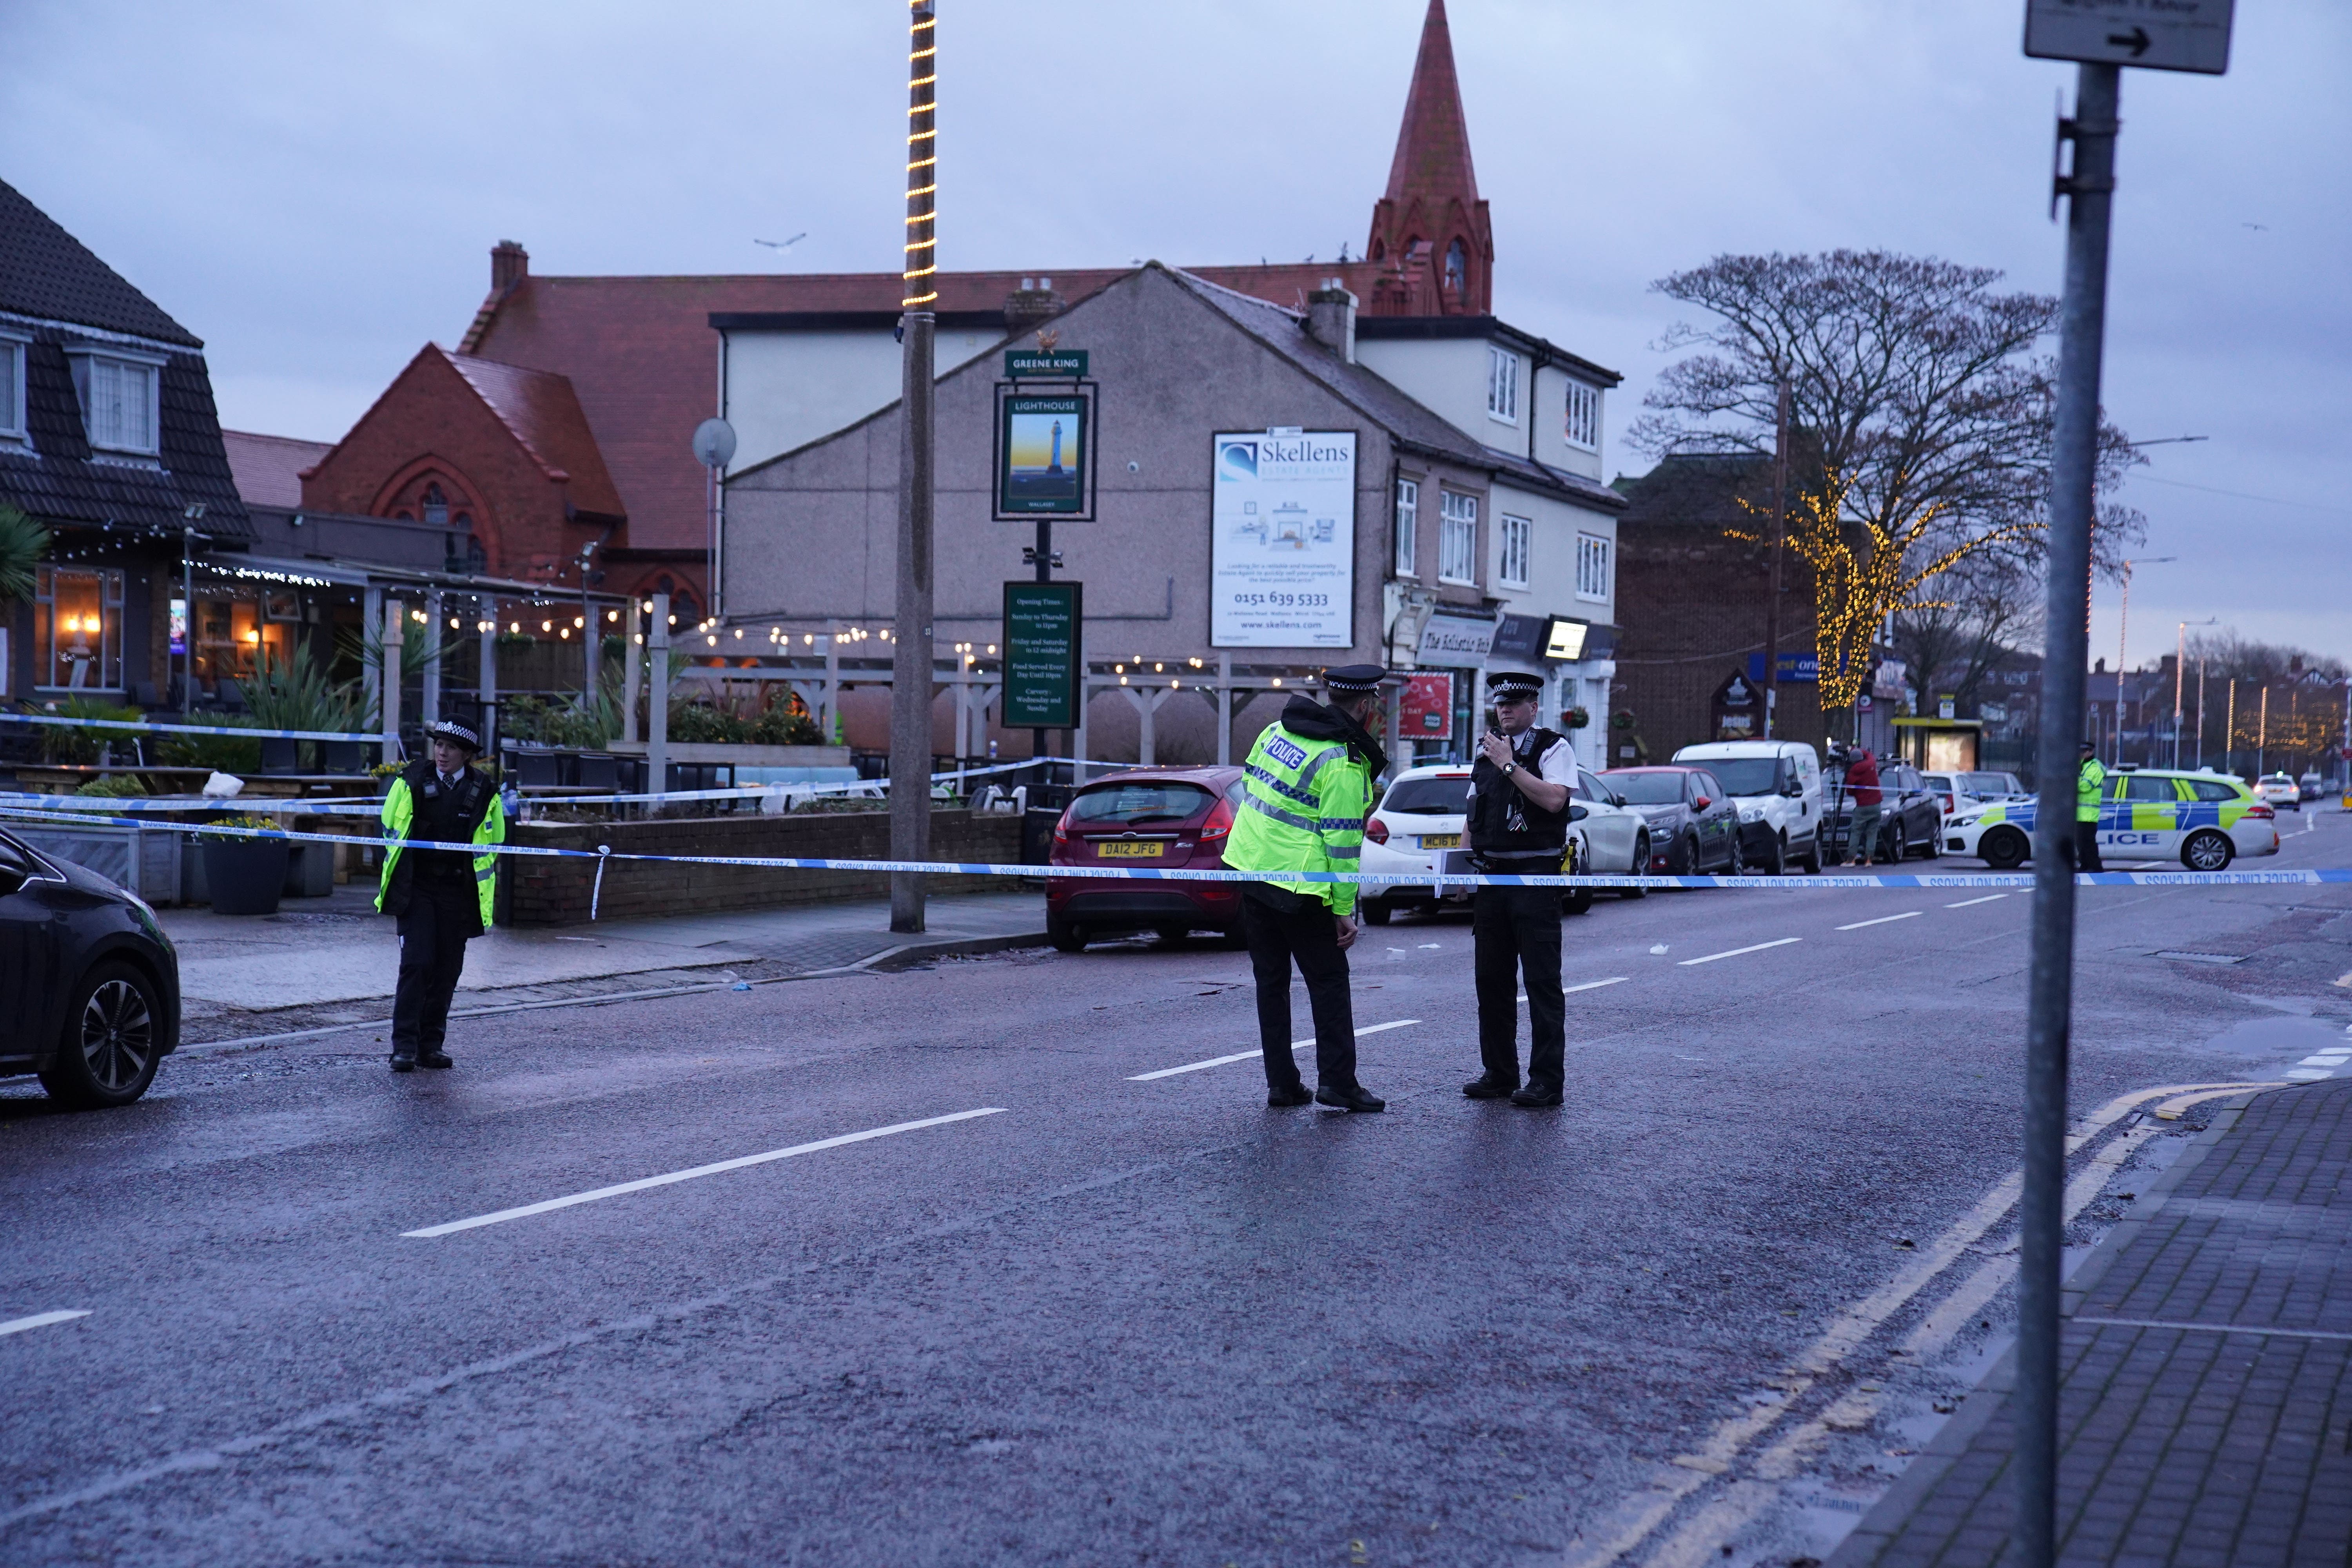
(243, 876)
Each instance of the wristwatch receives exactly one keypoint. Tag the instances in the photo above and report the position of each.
(1509, 768)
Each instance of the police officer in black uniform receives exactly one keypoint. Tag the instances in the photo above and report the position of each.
(434, 894)
(1519, 788)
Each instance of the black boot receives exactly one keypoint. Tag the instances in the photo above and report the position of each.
(1486, 1086)
(1538, 1094)
(403, 1058)
(434, 1056)
(1349, 1097)
(1290, 1095)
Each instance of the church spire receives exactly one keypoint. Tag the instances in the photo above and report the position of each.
(1431, 237)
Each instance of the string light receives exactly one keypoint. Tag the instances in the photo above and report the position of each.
(922, 156)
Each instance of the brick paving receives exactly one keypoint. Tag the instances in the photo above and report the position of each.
(2180, 1445)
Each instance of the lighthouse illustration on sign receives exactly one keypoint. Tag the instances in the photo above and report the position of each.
(1045, 456)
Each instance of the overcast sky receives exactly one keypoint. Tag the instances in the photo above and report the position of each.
(313, 188)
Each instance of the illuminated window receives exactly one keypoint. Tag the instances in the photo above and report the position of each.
(78, 627)
(1457, 538)
(1594, 577)
(1408, 525)
(1503, 385)
(1518, 534)
(1583, 416)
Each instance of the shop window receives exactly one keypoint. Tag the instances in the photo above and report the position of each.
(1457, 538)
(1408, 525)
(77, 621)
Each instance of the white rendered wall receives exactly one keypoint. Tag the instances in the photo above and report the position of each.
(787, 388)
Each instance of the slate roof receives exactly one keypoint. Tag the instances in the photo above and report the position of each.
(47, 274)
(268, 468)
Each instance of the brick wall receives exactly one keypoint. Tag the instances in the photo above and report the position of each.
(549, 892)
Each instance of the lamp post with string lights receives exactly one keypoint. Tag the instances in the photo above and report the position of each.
(2179, 680)
(910, 669)
(2123, 635)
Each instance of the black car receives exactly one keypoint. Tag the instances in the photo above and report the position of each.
(1910, 814)
(1694, 824)
(89, 985)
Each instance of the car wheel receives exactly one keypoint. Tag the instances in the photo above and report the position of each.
(1737, 864)
(1577, 901)
(1171, 935)
(1813, 857)
(2004, 848)
(1065, 937)
(1376, 911)
(1641, 867)
(111, 1042)
(1683, 859)
(1894, 850)
(1233, 939)
(2208, 851)
(1776, 864)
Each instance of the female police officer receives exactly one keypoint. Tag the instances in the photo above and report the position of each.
(441, 897)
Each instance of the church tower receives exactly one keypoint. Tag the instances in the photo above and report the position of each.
(1431, 245)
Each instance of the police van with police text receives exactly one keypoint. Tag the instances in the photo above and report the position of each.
(2202, 820)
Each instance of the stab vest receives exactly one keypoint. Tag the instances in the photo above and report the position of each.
(1506, 822)
(447, 816)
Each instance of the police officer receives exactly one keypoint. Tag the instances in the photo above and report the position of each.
(2090, 788)
(1306, 786)
(440, 897)
(1519, 788)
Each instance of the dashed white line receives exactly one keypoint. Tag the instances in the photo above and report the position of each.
(1251, 1056)
(1965, 903)
(37, 1320)
(593, 1196)
(1735, 952)
(1883, 920)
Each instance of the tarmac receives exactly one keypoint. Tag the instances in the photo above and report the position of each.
(330, 963)
(2205, 1409)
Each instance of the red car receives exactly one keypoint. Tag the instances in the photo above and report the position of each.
(1165, 818)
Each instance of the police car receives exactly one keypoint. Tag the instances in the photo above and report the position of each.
(2202, 820)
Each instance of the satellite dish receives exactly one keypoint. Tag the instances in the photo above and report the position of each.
(714, 443)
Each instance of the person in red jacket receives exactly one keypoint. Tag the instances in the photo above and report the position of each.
(1862, 785)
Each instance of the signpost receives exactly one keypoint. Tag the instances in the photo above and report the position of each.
(1042, 676)
(2104, 35)
(1044, 364)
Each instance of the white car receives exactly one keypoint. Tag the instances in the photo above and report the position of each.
(1425, 813)
(1777, 785)
(2280, 789)
(1959, 791)
(2202, 820)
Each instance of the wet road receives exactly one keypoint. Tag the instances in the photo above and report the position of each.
(1068, 1307)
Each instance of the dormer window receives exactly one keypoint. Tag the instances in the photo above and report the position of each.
(118, 391)
(12, 387)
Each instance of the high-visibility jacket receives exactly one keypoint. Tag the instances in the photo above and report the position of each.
(2090, 787)
(1302, 810)
(400, 812)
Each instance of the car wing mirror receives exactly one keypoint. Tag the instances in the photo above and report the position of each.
(11, 881)
(1701, 803)
(1579, 812)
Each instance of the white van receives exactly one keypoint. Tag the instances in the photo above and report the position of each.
(1777, 785)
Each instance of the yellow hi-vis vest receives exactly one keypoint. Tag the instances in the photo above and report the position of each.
(2089, 785)
(400, 810)
(1302, 810)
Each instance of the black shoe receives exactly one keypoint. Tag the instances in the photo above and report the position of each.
(1353, 1097)
(1538, 1094)
(1486, 1086)
(1283, 1099)
(433, 1058)
(402, 1063)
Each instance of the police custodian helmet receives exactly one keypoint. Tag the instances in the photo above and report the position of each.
(1512, 686)
(1353, 679)
(450, 729)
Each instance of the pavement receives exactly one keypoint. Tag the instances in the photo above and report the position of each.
(1002, 1257)
(2205, 1407)
(331, 962)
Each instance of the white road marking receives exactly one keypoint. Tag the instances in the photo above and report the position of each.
(1735, 952)
(1594, 984)
(1434, 944)
(1883, 920)
(2324, 1060)
(1251, 1056)
(1965, 903)
(527, 1210)
(2307, 1075)
(37, 1320)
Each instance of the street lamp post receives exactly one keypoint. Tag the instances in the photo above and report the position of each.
(2179, 676)
(2123, 641)
(910, 668)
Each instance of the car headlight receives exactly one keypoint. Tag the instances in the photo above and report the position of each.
(1752, 813)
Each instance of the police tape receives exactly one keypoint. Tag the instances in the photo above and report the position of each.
(241, 731)
(1372, 881)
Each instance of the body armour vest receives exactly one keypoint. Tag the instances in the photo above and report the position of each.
(447, 816)
(1503, 820)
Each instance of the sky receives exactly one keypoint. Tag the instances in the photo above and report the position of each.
(313, 188)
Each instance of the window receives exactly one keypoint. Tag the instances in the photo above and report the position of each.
(1457, 538)
(1517, 533)
(1583, 416)
(1457, 269)
(12, 387)
(2141, 786)
(117, 400)
(1503, 384)
(1408, 525)
(1593, 578)
(78, 627)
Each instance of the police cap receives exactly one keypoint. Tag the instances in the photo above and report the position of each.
(1512, 685)
(450, 729)
(1353, 679)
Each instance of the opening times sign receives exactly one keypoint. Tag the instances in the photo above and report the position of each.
(1041, 655)
(1283, 539)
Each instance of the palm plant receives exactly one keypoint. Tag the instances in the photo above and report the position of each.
(421, 649)
(295, 694)
(23, 543)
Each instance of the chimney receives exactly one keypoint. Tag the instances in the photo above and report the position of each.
(1032, 304)
(1331, 319)
(510, 264)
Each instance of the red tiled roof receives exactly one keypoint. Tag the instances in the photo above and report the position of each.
(544, 413)
(268, 469)
(640, 354)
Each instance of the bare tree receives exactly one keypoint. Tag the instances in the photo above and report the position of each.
(1921, 415)
(2229, 657)
(1990, 606)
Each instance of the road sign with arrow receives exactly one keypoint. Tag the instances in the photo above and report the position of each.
(2155, 35)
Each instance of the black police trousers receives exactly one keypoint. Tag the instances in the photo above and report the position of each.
(2086, 846)
(1516, 931)
(1310, 938)
(434, 929)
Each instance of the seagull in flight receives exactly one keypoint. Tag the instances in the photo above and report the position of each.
(782, 244)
